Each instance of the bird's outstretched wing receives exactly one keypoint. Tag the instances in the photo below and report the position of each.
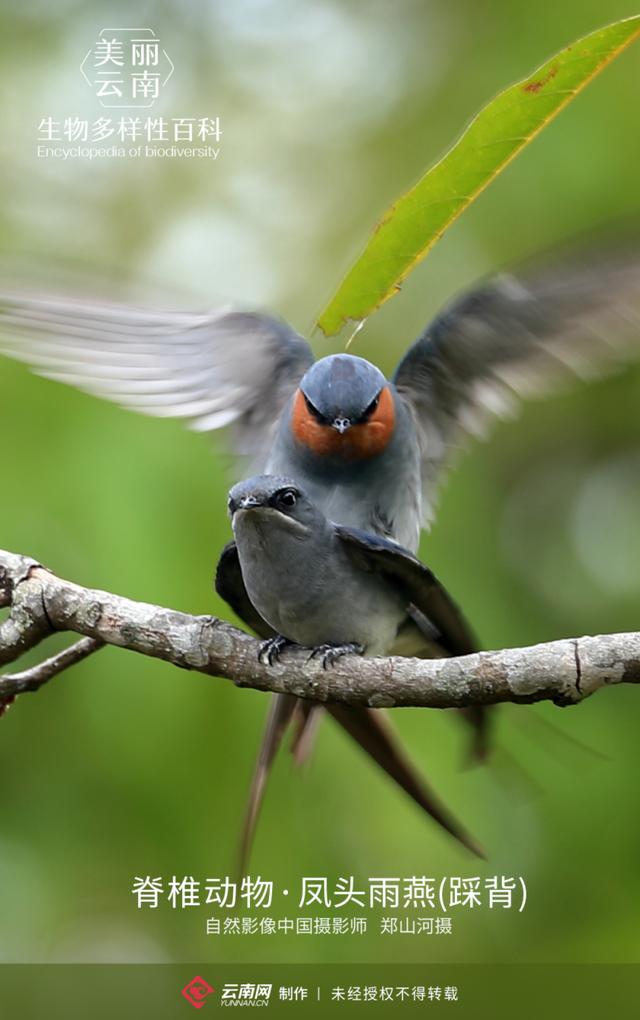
(513, 336)
(221, 368)
(364, 725)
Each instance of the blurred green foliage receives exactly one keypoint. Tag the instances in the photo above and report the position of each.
(127, 767)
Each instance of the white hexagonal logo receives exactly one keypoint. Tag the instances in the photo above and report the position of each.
(127, 67)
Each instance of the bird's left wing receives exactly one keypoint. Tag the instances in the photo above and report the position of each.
(435, 624)
(513, 336)
(420, 586)
(215, 369)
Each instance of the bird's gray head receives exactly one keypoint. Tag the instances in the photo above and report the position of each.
(343, 409)
(342, 390)
(272, 499)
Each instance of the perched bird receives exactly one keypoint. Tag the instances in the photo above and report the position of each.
(294, 574)
(370, 452)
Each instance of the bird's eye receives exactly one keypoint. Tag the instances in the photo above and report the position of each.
(288, 498)
(368, 411)
(372, 406)
(313, 411)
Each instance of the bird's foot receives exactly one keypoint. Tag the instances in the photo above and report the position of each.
(270, 650)
(331, 653)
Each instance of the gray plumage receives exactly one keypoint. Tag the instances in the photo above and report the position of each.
(299, 575)
(381, 494)
(319, 583)
(213, 369)
(514, 336)
(296, 577)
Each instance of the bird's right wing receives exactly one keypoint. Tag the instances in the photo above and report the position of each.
(221, 368)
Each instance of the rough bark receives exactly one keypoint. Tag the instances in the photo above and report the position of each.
(564, 672)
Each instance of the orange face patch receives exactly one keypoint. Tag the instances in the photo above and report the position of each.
(358, 442)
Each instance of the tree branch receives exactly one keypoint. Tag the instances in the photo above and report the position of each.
(565, 672)
(33, 679)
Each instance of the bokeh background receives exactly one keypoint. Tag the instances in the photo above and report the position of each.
(127, 767)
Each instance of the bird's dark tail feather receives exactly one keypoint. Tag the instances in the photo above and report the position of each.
(371, 730)
(279, 716)
(480, 718)
(306, 722)
(424, 644)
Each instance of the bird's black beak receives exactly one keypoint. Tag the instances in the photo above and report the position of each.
(341, 424)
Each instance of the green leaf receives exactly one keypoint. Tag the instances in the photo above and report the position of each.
(414, 223)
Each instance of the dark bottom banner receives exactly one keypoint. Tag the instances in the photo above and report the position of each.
(31, 992)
